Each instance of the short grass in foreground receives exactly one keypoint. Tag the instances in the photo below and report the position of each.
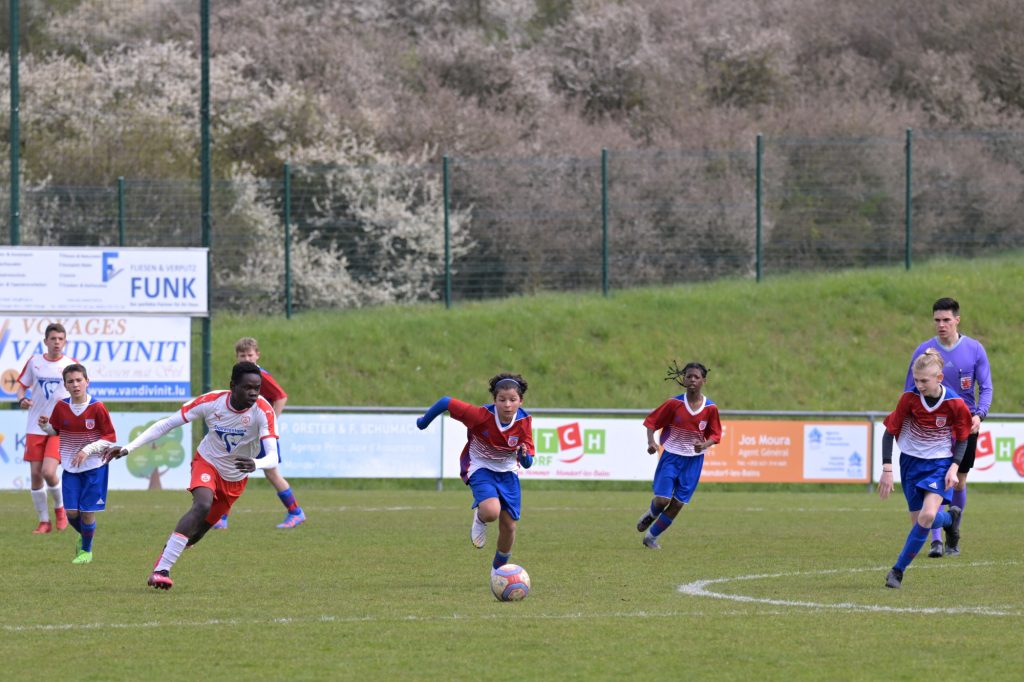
(385, 584)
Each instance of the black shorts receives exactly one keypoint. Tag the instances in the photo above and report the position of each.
(968, 461)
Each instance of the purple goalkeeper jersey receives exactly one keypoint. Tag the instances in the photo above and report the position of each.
(966, 369)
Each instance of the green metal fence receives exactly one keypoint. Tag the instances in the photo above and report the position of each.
(371, 235)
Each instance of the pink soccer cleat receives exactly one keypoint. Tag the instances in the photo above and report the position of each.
(43, 528)
(161, 580)
(62, 518)
(293, 520)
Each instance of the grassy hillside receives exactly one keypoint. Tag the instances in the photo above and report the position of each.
(832, 341)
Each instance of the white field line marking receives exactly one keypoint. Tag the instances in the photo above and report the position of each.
(342, 620)
(699, 588)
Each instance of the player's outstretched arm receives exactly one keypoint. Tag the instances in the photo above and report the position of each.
(438, 408)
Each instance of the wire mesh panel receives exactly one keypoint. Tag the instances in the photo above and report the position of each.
(968, 190)
(832, 203)
(533, 225)
(680, 216)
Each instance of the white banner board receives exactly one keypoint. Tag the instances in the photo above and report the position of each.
(163, 464)
(573, 448)
(82, 279)
(357, 446)
(128, 358)
(999, 458)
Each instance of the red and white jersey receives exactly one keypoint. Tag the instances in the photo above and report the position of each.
(231, 433)
(929, 432)
(491, 445)
(43, 377)
(682, 427)
(269, 388)
(80, 425)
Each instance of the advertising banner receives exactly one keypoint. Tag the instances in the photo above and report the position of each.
(82, 279)
(789, 452)
(163, 464)
(572, 449)
(750, 451)
(128, 358)
(999, 458)
(358, 446)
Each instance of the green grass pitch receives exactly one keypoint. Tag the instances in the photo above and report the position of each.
(384, 584)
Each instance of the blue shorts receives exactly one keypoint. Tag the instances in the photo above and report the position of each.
(918, 477)
(501, 484)
(85, 491)
(677, 476)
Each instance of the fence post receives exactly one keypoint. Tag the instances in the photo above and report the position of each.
(604, 221)
(758, 202)
(287, 242)
(14, 22)
(120, 210)
(447, 234)
(908, 205)
(205, 181)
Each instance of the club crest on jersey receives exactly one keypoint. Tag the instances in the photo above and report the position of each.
(965, 383)
(940, 421)
(513, 440)
(245, 420)
(90, 424)
(703, 425)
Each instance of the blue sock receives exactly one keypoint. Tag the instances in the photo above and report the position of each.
(500, 559)
(655, 509)
(75, 522)
(660, 525)
(88, 531)
(288, 500)
(942, 519)
(915, 539)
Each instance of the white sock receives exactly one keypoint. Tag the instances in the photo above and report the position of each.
(56, 494)
(39, 502)
(172, 550)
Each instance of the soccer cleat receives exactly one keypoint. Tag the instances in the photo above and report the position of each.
(62, 518)
(953, 529)
(478, 533)
(651, 542)
(161, 580)
(222, 523)
(952, 551)
(293, 520)
(645, 521)
(894, 578)
(936, 551)
(82, 558)
(43, 528)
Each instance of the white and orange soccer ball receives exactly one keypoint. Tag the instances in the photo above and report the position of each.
(510, 583)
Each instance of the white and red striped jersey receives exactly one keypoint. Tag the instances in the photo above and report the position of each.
(682, 427)
(80, 425)
(231, 433)
(43, 377)
(929, 432)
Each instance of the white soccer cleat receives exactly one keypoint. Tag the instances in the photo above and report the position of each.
(478, 533)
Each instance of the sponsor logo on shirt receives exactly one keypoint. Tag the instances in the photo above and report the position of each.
(965, 383)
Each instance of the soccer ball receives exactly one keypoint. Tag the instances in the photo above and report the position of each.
(510, 583)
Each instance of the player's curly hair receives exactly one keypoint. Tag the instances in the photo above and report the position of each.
(241, 369)
(676, 374)
(506, 380)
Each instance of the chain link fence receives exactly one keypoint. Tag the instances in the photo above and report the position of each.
(371, 235)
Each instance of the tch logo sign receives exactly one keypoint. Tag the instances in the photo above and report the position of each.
(569, 442)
